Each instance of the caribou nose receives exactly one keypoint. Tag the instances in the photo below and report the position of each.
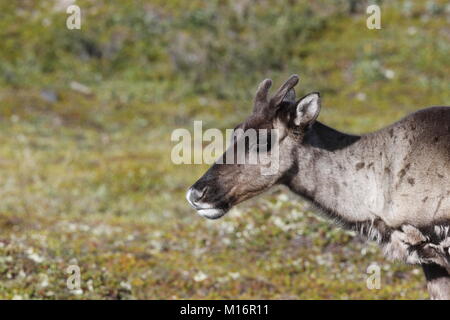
(194, 195)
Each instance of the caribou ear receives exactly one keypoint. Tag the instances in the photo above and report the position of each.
(284, 90)
(307, 109)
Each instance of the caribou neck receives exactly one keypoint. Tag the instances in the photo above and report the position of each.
(339, 173)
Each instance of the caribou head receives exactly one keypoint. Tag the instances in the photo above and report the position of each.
(252, 163)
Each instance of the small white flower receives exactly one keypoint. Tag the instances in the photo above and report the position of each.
(200, 276)
(416, 271)
(297, 262)
(361, 96)
(235, 212)
(17, 297)
(234, 275)
(44, 282)
(126, 285)
(283, 198)
(90, 285)
(77, 292)
(350, 233)
(281, 224)
(388, 73)
(34, 256)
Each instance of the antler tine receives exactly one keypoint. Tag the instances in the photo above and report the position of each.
(262, 93)
(284, 89)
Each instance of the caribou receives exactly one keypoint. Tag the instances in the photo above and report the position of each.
(392, 186)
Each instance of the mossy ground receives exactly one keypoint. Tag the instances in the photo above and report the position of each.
(87, 178)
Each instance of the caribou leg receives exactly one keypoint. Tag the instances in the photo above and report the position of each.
(438, 281)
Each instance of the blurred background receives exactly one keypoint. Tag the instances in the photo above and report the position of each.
(85, 123)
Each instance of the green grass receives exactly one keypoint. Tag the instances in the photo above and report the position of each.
(88, 180)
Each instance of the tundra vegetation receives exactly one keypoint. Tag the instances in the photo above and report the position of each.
(85, 123)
